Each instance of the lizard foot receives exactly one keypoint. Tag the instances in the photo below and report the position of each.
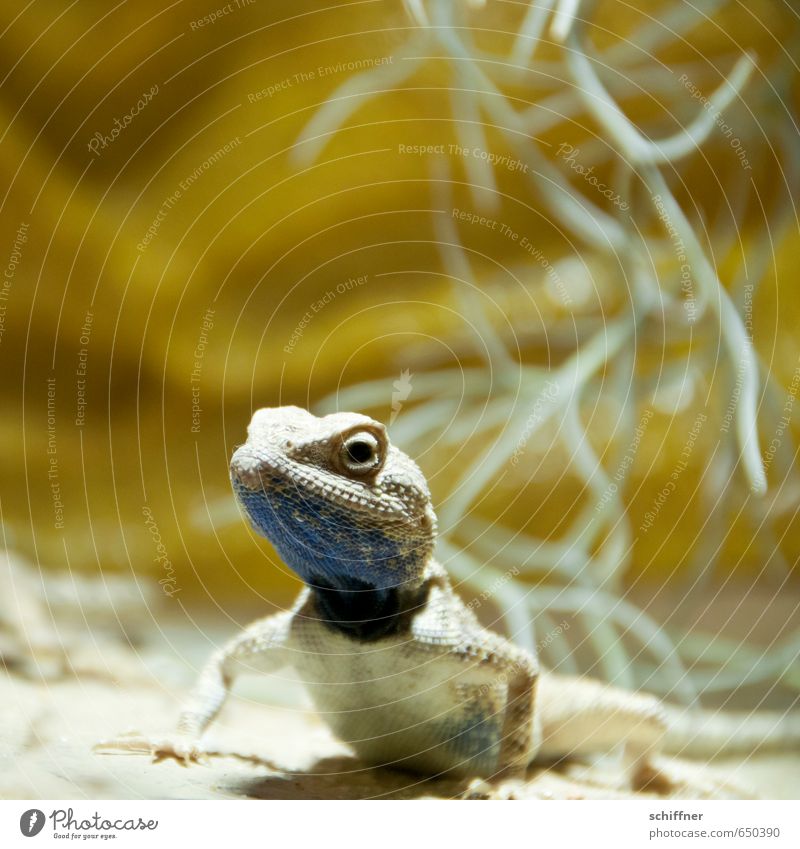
(510, 789)
(649, 778)
(184, 750)
(478, 788)
(668, 780)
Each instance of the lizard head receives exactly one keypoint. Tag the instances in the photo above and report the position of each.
(339, 502)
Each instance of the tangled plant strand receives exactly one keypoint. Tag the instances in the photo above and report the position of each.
(580, 570)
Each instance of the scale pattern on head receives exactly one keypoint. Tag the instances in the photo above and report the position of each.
(341, 505)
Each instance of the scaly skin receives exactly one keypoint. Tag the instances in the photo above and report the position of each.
(394, 661)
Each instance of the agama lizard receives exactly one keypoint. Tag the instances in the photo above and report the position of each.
(399, 666)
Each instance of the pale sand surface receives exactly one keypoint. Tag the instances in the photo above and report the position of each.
(48, 729)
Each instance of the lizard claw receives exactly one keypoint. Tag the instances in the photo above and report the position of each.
(483, 790)
(685, 782)
(184, 750)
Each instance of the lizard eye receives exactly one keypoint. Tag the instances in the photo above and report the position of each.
(360, 453)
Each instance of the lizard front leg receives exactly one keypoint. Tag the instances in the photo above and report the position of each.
(518, 732)
(261, 647)
(519, 735)
(497, 678)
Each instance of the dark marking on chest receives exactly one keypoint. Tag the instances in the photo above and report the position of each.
(365, 612)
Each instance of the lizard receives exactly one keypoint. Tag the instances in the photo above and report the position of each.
(398, 665)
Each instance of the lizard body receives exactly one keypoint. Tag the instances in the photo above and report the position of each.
(396, 664)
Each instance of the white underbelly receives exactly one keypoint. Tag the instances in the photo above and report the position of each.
(397, 707)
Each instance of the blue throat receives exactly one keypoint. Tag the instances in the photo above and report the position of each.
(355, 572)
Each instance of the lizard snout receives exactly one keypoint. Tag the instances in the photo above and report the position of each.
(246, 468)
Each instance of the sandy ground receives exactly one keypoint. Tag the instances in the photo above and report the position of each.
(70, 678)
(48, 729)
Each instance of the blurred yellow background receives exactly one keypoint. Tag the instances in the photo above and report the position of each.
(169, 247)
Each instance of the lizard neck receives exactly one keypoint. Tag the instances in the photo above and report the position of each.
(365, 612)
